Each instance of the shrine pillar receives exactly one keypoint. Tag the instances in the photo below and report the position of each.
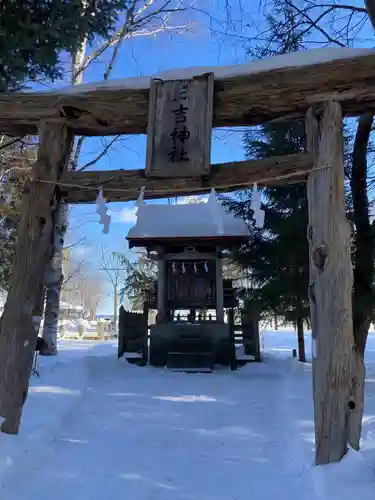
(219, 291)
(161, 288)
(18, 332)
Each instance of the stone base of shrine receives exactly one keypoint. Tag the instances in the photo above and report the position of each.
(191, 343)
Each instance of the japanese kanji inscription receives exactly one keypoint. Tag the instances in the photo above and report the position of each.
(180, 127)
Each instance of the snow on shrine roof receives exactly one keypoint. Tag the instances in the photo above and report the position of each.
(289, 60)
(192, 220)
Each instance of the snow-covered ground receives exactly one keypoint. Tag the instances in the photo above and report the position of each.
(95, 427)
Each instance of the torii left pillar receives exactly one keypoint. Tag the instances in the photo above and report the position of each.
(18, 335)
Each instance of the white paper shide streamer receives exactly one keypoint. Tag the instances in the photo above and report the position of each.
(255, 207)
(216, 211)
(140, 200)
(101, 209)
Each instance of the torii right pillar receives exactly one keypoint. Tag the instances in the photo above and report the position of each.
(338, 374)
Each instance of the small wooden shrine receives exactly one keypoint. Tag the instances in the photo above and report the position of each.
(191, 296)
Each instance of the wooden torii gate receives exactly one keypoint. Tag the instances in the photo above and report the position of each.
(321, 93)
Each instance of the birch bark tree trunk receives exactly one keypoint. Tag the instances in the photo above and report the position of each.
(338, 374)
(18, 327)
(136, 18)
(54, 275)
(54, 279)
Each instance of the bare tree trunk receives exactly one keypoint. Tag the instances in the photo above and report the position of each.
(301, 340)
(18, 333)
(370, 6)
(54, 280)
(39, 306)
(54, 276)
(337, 377)
(363, 303)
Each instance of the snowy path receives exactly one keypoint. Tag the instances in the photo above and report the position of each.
(148, 434)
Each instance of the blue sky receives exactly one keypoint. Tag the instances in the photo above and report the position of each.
(203, 45)
(147, 56)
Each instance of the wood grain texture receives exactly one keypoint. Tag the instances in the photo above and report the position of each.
(125, 185)
(34, 248)
(244, 100)
(334, 361)
(180, 127)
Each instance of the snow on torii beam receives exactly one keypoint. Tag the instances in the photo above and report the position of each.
(260, 91)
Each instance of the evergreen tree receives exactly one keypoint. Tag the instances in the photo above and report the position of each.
(140, 275)
(14, 160)
(289, 26)
(278, 255)
(34, 33)
(33, 36)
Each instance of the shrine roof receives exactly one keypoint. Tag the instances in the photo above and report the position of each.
(191, 220)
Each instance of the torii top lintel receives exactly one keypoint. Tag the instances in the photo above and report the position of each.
(271, 89)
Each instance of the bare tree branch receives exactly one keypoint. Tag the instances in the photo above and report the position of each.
(11, 142)
(112, 265)
(70, 275)
(134, 21)
(314, 24)
(77, 243)
(129, 18)
(100, 155)
(84, 286)
(340, 6)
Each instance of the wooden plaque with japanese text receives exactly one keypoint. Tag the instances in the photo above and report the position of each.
(180, 127)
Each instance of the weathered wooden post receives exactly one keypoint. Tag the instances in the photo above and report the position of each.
(161, 290)
(34, 249)
(337, 376)
(121, 332)
(250, 330)
(219, 290)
